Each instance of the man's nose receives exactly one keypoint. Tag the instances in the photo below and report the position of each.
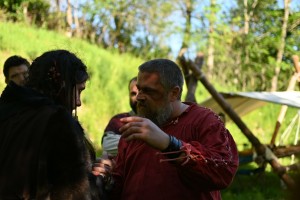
(22, 77)
(140, 96)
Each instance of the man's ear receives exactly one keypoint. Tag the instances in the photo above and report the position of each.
(174, 93)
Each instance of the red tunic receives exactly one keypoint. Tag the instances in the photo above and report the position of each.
(211, 162)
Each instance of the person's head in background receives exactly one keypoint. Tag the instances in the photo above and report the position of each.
(15, 69)
(59, 75)
(132, 93)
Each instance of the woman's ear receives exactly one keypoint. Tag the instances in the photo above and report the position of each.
(174, 93)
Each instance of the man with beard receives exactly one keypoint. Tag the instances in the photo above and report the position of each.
(172, 149)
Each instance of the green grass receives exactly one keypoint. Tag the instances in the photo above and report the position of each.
(106, 95)
(264, 186)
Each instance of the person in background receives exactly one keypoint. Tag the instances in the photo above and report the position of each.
(44, 153)
(172, 149)
(112, 134)
(15, 69)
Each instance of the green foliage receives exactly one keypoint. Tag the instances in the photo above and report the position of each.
(11, 7)
(256, 50)
(130, 26)
(37, 11)
(23, 10)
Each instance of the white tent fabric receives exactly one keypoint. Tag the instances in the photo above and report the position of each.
(245, 102)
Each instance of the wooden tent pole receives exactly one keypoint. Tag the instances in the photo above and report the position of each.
(260, 148)
(284, 108)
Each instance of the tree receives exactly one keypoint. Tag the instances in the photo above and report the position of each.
(129, 26)
(11, 8)
(281, 45)
(259, 42)
(69, 30)
(211, 40)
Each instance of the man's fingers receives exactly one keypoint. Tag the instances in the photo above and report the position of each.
(131, 119)
(130, 125)
(136, 136)
(130, 132)
(99, 170)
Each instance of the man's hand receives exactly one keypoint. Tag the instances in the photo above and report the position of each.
(103, 166)
(138, 128)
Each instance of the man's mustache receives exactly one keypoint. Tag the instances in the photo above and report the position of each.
(141, 104)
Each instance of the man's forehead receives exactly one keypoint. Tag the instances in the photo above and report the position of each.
(17, 69)
(148, 76)
(132, 84)
(149, 80)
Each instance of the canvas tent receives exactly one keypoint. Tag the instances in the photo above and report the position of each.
(245, 102)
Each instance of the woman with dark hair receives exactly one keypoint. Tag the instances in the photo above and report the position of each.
(44, 153)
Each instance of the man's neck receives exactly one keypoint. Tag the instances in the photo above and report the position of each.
(178, 108)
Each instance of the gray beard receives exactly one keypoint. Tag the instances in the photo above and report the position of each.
(160, 116)
(163, 115)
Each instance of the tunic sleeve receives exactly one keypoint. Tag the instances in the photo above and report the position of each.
(211, 157)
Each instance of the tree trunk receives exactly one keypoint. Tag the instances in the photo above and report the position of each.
(78, 30)
(248, 14)
(246, 18)
(187, 30)
(58, 17)
(211, 41)
(281, 45)
(69, 31)
(246, 31)
(25, 13)
(191, 81)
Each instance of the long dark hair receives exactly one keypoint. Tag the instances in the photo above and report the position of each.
(55, 74)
